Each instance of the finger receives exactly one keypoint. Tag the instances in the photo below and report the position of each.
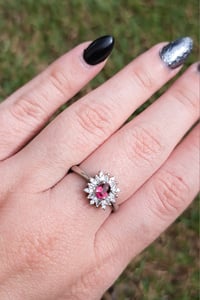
(85, 125)
(136, 151)
(27, 110)
(142, 218)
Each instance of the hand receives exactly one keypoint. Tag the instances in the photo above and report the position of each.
(53, 243)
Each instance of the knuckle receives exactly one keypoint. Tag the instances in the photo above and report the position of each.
(94, 119)
(35, 250)
(144, 79)
(87, 282)
(187, 97)
(6, 147)
(171, 193)
(61, 82)
(28, 252)
(28, 108)
(142, 145)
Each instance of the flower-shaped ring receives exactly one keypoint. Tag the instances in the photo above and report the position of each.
(102, 189)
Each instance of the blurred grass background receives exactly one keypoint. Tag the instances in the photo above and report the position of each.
(34, 33)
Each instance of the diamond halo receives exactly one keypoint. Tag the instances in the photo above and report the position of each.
(102, 190)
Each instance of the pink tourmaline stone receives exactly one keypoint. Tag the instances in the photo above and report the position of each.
(102, 191)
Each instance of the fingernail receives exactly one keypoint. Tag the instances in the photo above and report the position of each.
(175, 53)
(98, 50)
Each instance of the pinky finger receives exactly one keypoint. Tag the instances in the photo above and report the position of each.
(152, 208)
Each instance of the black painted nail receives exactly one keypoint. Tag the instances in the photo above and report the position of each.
(175, 53)
(99, 50)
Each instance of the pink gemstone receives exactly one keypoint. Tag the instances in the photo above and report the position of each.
(102, 191)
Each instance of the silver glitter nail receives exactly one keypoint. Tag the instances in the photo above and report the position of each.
(175, 53)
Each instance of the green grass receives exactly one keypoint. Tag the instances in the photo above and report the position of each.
(34, 33)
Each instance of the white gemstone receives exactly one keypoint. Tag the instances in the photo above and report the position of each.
(97, 179)
(100, 173)
(106, 178)
(91, 186)
(112, 200)
(93, 181)
(97, 204)
(107, 201)
(103, 204)
(113, 189)
(112, 184)
(102, 178)
(112, 196)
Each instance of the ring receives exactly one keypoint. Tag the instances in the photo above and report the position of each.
(102, 189)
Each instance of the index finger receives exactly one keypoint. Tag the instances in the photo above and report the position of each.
(25, 112)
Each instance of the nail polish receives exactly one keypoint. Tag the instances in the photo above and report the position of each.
(175, 53)
(98, 50)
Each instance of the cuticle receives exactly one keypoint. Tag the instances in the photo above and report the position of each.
(83, 62)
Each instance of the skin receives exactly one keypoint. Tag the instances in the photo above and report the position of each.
(53, 244)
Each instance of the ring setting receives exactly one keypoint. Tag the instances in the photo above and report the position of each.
(102, 189)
